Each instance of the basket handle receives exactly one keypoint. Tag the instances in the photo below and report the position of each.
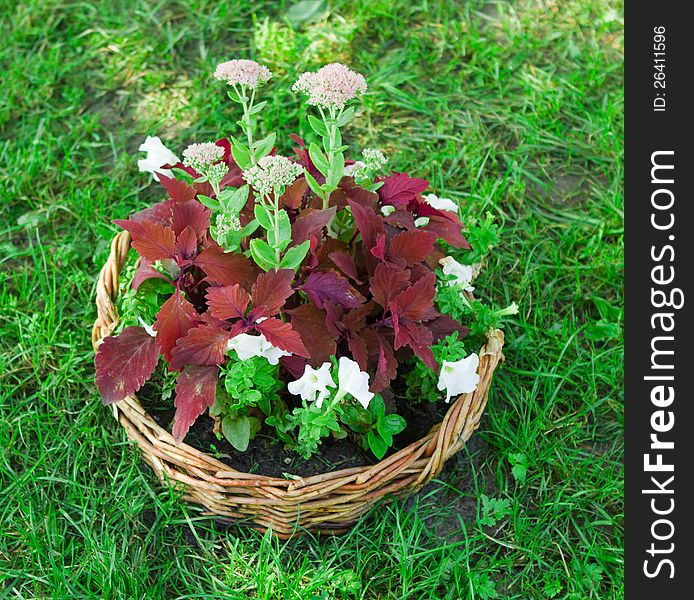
(107, 289)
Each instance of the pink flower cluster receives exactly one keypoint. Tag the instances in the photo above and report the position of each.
(332, 86)
(271, 173)
(201, 155)
(242, 72)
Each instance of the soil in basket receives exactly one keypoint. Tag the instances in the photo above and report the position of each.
(267, 457)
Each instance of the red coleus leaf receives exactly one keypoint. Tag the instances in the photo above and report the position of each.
(310, 222)
(174, 319)
(226, 269)
(124, 363)
(448, 229)
(402, 219)
(146, 271)
(411, 246)
(387, 282)
(360, 351)
(345, 262)
(191, 214)
(368, 223)
(202, 345)
(151, 240)
(443, 326)
(187, 243)
(196, 390)
(309, 322)
(229, 302)
(355, 320)
(357, 193)
(416, 303)
(178, 190)
(417, 337)
(329, 285)
(294, 194)
(158, 213)
(386, 364)
(282, 336)
(272, 289)
(399, 189)
(379, 250)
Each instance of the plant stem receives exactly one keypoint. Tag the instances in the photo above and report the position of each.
(276, 223)
(247, 107)
(332, 128)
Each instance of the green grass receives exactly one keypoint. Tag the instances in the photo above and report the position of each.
(509, 107)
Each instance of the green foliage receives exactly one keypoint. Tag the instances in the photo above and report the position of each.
(141, 306)
(494, 509)
(250, 390)
(483, 235)
(421, 382)
(313, 424)
(520, 466)
(374, 427)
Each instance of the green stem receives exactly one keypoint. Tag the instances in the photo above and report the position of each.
(276, 223)
(247, 107)
(332, 128)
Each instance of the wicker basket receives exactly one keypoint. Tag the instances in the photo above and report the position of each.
(327, 503)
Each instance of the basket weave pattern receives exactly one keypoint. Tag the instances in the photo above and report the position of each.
(327, 503)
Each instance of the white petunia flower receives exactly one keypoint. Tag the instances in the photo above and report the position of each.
(441, 203)
(463, 273)
(352, 380)
(158, 155)
(313, 384)
(148, 328)
(247, 346)
(459, 377)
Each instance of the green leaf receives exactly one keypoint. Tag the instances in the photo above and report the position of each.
(318, 158)
(258, 107)
(337, 169)
(377, 444)
(313, 184)
(292, 259)
(264, 216)
(602, 331)
(263, 254)
(232, 94)
(234, 199)
(346, 117)
(241, 154)
(210, 203)
(249, 228)
(237, 431)
(262, 147)
(377, 407)
(318, 126)
(284, 234)
(306, 11)
(393, 424)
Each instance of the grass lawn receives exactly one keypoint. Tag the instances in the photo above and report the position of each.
(510, 107)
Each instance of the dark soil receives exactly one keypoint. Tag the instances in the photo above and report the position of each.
(266, 456)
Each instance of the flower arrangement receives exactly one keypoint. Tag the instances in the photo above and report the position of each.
(295, 293)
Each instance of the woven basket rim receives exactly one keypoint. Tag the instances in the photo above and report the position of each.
(206, 477)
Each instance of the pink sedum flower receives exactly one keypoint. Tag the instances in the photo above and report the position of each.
(242, 72)
(271, 173)
(202, 155)
(332, 86)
